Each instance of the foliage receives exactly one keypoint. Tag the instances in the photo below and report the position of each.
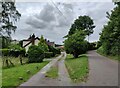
(49, 54)
(8, 16)
(5, 41)
(42, 44)
(110, 36)
(92, 46)
(75, 44)
(35, 54)
(54, 50)
(77, 68)
(84, 23)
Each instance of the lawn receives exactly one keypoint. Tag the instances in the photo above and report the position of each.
(53, 72)
(77, 67)
(13, 76)
(15, 61)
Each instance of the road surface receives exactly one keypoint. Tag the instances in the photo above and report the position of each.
(103, 71)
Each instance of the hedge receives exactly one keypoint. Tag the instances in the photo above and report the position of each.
(49, 54)
(35, 54)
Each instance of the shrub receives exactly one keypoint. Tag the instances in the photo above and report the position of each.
(42, 44)
(54, 50)
(35, 54)
(49, 54)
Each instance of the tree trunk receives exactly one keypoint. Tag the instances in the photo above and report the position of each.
(75, 55)
(21, 60)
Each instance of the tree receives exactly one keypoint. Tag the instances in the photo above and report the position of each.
(75, 44)
(8, 16)
(84, 23)
(42, 44)
(110, 36)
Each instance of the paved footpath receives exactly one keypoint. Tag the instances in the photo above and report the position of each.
(63, 73)
(36, 80)
(103, 71)
(40, 80)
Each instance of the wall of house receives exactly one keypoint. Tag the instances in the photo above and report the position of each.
(26, 42)
(27, 47)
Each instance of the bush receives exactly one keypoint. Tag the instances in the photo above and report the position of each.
(49, 54)
(35, 54)
(54, 50)
(101, 50)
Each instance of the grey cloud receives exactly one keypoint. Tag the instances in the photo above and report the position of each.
(47, 14)
(36, 23)
(55, 25)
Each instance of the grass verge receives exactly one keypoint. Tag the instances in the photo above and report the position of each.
(14, 60)
(117, 57)
(53, 72)
(16, 75)
(77, 67)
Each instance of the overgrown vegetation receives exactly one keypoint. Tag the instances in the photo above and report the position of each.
(110, 36)
(78, 68)
(19, 74)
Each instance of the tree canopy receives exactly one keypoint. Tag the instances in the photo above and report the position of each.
(84, 23)
(110, 36)
(8, 16)
(75, 43)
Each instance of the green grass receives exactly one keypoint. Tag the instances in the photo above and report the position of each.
(77, 67)
(101, 52)
(10, 76)
(15, 61)
(117, 57)
(53, 72)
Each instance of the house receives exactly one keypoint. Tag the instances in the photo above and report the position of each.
(14, 41)
(32, 40)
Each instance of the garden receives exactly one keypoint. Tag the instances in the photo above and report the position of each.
(18, 65)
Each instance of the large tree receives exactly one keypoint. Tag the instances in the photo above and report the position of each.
(110, 36)
(84, 23)
(75, 44)
(8, 16)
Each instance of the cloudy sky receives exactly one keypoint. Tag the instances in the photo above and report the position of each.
(53, 20)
